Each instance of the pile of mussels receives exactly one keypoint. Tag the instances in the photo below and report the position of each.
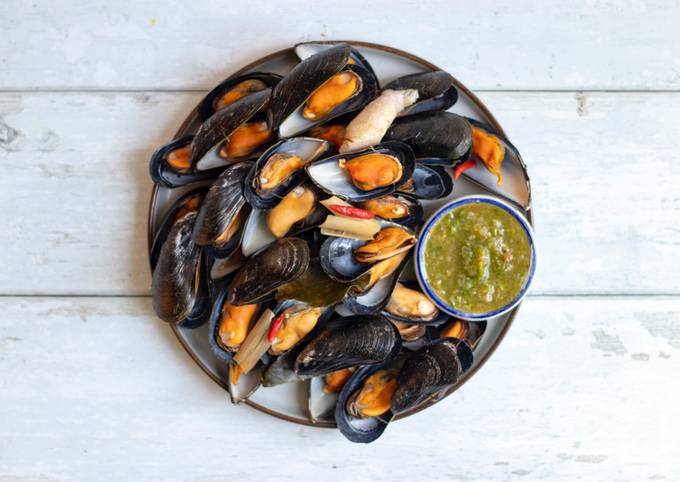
(293, 242)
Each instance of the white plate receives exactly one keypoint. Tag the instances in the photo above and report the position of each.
(289, 401)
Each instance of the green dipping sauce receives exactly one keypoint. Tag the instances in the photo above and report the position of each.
(477, 258)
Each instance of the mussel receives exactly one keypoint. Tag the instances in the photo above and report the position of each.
(232, 133)
(280, 169)
(439, 134)
(179, 279)
(223, 212)
(436, 91)
(170, 165)
(352, 341)
(389, 242)
(319, 88)
(363, 409)
(399, 208)
(229, 325)
(276, 265)
(429, 370)
(298, 320)
(234, 89)
(470, 331)
(365, 174)
(372, 290)
(189, 202)
(410, 305)
(293, 208)
(491, 150)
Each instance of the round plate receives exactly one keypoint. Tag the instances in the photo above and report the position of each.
(289, 401)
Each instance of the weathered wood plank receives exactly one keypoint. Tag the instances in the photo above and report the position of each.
(522, 45)
(75, 188)
(97, 389)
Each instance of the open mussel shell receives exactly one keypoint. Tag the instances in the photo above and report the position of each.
(307, 149)
(438, 134)
(376, 297)
(223, 123)
(235, 88)
(332, 179)
(280, 263)
(511, 154)
(325, 313)
(429, 182)
(179, 279)
(347, 342)
(368, 429)
(436, 91)
(429, 370)
(337, 260)
(164, 173)
(307, 49)
(222, 353)
(408, 304)
(223, 212)
(292, 92)
(191, 201)
(336, 255)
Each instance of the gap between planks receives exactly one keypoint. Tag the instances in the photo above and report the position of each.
(143, 90)
(547, 296)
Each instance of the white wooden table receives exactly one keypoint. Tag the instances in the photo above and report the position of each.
(585, 386)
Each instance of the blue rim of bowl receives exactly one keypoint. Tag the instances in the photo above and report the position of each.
(420, 255)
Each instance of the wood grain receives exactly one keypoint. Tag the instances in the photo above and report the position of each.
(98, 389)
(171, 45)
(603, 165)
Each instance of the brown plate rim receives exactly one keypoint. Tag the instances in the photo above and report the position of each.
(494, 123)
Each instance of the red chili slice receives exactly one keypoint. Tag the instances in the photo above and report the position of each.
(460, 169)
(275, 327)
(351, 211)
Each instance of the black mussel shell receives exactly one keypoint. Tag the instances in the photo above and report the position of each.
(280, 263)
(347, 342)
(195, 195)
(307, 148)
(220, 353)
(359, 430)
(207, 106)
(436, 91)
(296, 87)
(430, 182)
(307, 76)
(164, 174)
(223, 202)
(294, 124)
(332, 179)
(179, 294)
(439, 134)
(429, 370)
(225, 121)
(305, 50)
